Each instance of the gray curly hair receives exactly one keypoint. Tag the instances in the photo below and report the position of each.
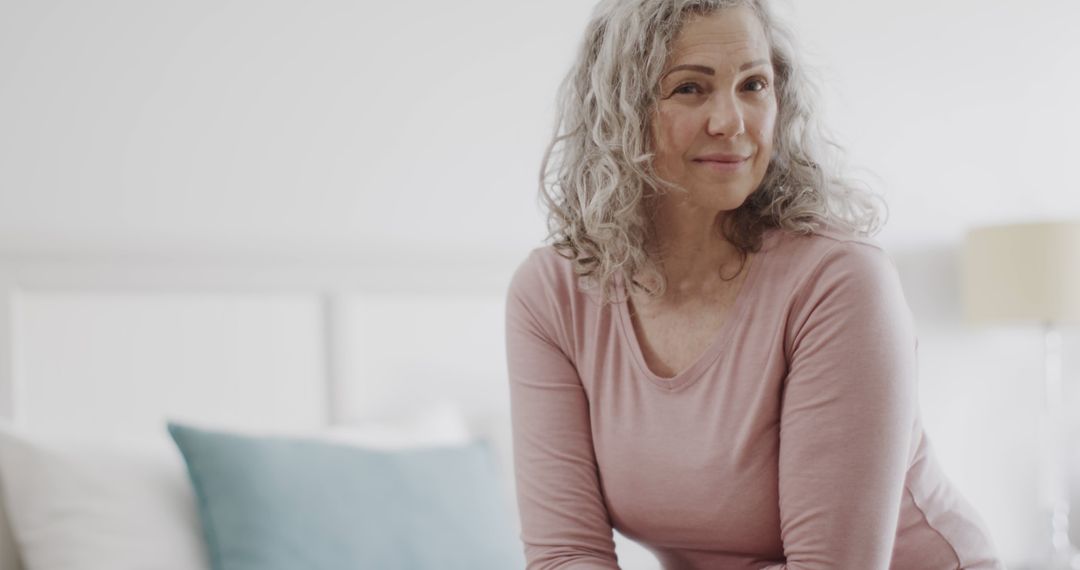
(597, 171)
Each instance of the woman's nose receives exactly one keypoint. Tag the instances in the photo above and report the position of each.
(725, 117)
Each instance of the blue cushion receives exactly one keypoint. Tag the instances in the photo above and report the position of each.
(269, 503)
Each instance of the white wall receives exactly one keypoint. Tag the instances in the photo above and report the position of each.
(965, 110)
(418, 126)
(276, 124)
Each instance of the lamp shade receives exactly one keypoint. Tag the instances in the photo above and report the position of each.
(1023, 272)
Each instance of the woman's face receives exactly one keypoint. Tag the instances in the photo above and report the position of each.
(713, 126)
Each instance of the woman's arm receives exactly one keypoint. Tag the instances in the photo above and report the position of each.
(849, 406)
(564, 523)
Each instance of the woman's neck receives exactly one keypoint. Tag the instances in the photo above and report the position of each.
(693, 254)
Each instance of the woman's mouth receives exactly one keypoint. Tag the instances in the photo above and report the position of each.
(723, 164)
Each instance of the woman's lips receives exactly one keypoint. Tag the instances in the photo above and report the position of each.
(726, 164)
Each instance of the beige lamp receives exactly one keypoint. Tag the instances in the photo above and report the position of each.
(1031, 273)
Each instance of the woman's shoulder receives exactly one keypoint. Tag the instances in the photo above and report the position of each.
(836, 264)
(543, 273)
(828, 243)
(820, 239)
(542, 264)
(542, 292)
(827, 257)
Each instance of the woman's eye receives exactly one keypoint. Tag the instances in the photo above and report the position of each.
(761, 83)
(688, 88)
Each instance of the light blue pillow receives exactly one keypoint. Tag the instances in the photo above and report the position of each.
(270, 503)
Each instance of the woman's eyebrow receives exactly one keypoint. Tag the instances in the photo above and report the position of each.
(710, 71)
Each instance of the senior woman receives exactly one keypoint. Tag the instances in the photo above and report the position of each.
(714, 357)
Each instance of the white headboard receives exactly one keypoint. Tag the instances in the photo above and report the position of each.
(109, 345)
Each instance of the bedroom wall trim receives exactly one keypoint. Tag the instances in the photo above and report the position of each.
(328, 277)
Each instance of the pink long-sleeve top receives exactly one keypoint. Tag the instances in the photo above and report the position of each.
(793, 442)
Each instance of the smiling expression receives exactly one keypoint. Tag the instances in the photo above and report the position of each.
(716, 111)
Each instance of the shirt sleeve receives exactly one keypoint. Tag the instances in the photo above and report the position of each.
(564, 523)
(849, 407)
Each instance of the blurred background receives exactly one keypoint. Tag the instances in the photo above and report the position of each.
(407, 137)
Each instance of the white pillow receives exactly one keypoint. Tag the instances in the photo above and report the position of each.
(9, 555)
(80, 503)
(85, 504)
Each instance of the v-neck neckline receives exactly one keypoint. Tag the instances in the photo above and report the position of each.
(721, 339)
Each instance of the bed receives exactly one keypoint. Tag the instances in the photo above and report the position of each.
(97, 352)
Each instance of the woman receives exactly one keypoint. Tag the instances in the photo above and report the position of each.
(713, 357)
